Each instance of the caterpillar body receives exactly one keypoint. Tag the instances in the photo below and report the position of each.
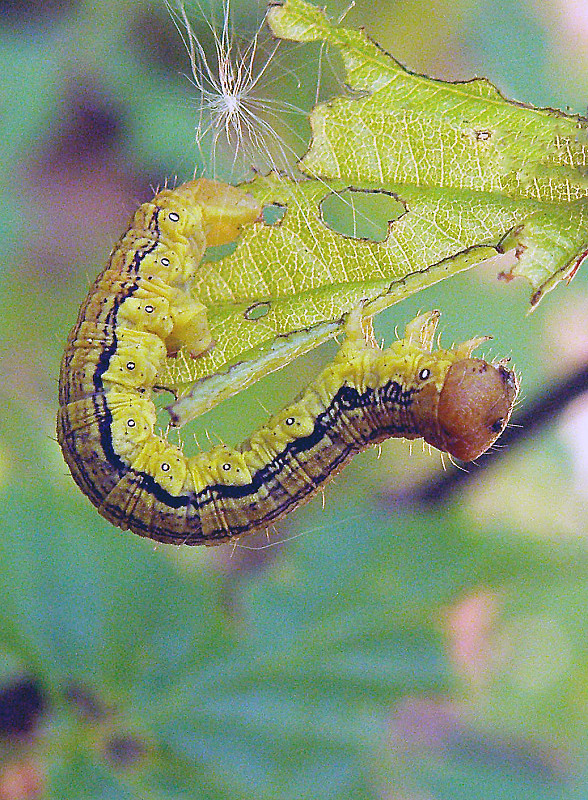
(140, 309)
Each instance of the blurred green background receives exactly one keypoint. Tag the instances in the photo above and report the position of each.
(376, 648)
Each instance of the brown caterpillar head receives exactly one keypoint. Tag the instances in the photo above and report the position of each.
(472, 409)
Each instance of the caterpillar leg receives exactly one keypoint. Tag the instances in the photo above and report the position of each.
(190, 327)
(356, 356)
(359, 330)
(421, 330)
(222, 210)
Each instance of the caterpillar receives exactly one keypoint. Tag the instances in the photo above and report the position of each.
(140, 309)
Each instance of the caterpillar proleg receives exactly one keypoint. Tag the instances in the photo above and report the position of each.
(140, 309)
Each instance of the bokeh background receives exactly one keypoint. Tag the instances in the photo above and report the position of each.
(398, 644)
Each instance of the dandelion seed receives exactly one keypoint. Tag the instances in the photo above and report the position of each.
(236, 113)
(239, 122)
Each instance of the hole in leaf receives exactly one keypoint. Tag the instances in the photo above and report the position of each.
(218, 251)
(258, 310)
(273, 214)
(161, 399)
(361, 214)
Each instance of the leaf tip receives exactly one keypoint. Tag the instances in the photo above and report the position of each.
(296, 20)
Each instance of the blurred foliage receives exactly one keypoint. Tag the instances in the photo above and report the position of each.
(376, 650)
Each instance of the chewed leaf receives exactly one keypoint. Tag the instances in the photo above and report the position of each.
(404, 130)
(461, 172)
(288, 286)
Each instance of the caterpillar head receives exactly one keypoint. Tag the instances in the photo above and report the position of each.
(470, 410)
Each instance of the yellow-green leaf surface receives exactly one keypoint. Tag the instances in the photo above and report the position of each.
(287, 287)
(401, 131)
(473, 174)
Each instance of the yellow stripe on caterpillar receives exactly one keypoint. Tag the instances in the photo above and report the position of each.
(140, 309)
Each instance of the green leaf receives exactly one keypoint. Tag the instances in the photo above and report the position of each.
(217, 708)
(291, 284)
(73, 600)
(289, 697)
(401, 130)
(472, 174)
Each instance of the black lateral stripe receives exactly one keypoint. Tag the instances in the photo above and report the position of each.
(346, 399)
(105, 420)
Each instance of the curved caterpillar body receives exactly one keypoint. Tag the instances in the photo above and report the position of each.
(140, 309)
